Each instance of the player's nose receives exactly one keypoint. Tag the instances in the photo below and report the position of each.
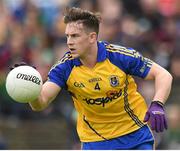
(69, 41)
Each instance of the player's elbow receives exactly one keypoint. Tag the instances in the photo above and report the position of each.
(169, 77)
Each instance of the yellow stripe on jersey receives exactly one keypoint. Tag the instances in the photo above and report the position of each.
(117, 47)
(149, 62)
(68, 56)
(125, 51)
(120, 51)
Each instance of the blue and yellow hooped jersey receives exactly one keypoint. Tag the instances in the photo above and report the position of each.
(105, 96)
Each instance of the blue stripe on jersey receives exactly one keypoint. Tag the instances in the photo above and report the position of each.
(128, 141)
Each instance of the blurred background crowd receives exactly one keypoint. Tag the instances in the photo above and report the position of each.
(33, 31)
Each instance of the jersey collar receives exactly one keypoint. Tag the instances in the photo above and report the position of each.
(101, 56)
(101, 52)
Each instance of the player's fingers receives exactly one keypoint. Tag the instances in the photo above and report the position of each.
(16, 64)
(34, 67)
(11, 68)
(22, 64)
(19, 64)
(153, 122)
(165, 123)
(158, 123)
(147, 116)
(162, 123)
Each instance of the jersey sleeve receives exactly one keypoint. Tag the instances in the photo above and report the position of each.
(57, 75)
(130, 61)
(60, 72)
(138, 65)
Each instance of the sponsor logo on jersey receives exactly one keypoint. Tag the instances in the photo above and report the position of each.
(111, 95)
(114, 80)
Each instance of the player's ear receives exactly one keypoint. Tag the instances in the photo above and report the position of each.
(92, 37)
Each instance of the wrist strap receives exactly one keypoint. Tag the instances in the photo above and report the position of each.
(158, 102)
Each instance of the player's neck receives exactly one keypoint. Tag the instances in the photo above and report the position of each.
(90, 59)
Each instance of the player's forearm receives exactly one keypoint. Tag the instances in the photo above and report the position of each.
(38, 105)
(48, 93)
(163, 83)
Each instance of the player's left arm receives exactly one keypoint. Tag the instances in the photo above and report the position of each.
(156, 113)
(140, 66)
(163, 81)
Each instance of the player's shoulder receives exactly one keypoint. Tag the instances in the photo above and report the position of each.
(120, 56)
(67, 57)
(115, 49)
(63, 62)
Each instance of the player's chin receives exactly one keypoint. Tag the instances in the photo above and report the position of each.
(75, 55)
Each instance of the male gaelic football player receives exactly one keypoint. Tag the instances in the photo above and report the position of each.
(99, 76)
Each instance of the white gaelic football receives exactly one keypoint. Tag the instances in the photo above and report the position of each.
(24, 84)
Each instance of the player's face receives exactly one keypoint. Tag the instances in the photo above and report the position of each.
(78, 39)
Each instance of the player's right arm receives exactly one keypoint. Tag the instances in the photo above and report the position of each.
(57, 78)
(48, 93)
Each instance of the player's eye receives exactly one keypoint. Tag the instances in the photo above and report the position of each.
(74, 35)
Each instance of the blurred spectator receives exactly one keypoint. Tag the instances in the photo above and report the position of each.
(175, 66)
(171, 139)
(33, 31)
(3, 143)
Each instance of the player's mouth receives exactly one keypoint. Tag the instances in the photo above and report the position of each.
(72, 50)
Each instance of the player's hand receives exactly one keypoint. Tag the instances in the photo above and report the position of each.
(156, 116)
(21, 64)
